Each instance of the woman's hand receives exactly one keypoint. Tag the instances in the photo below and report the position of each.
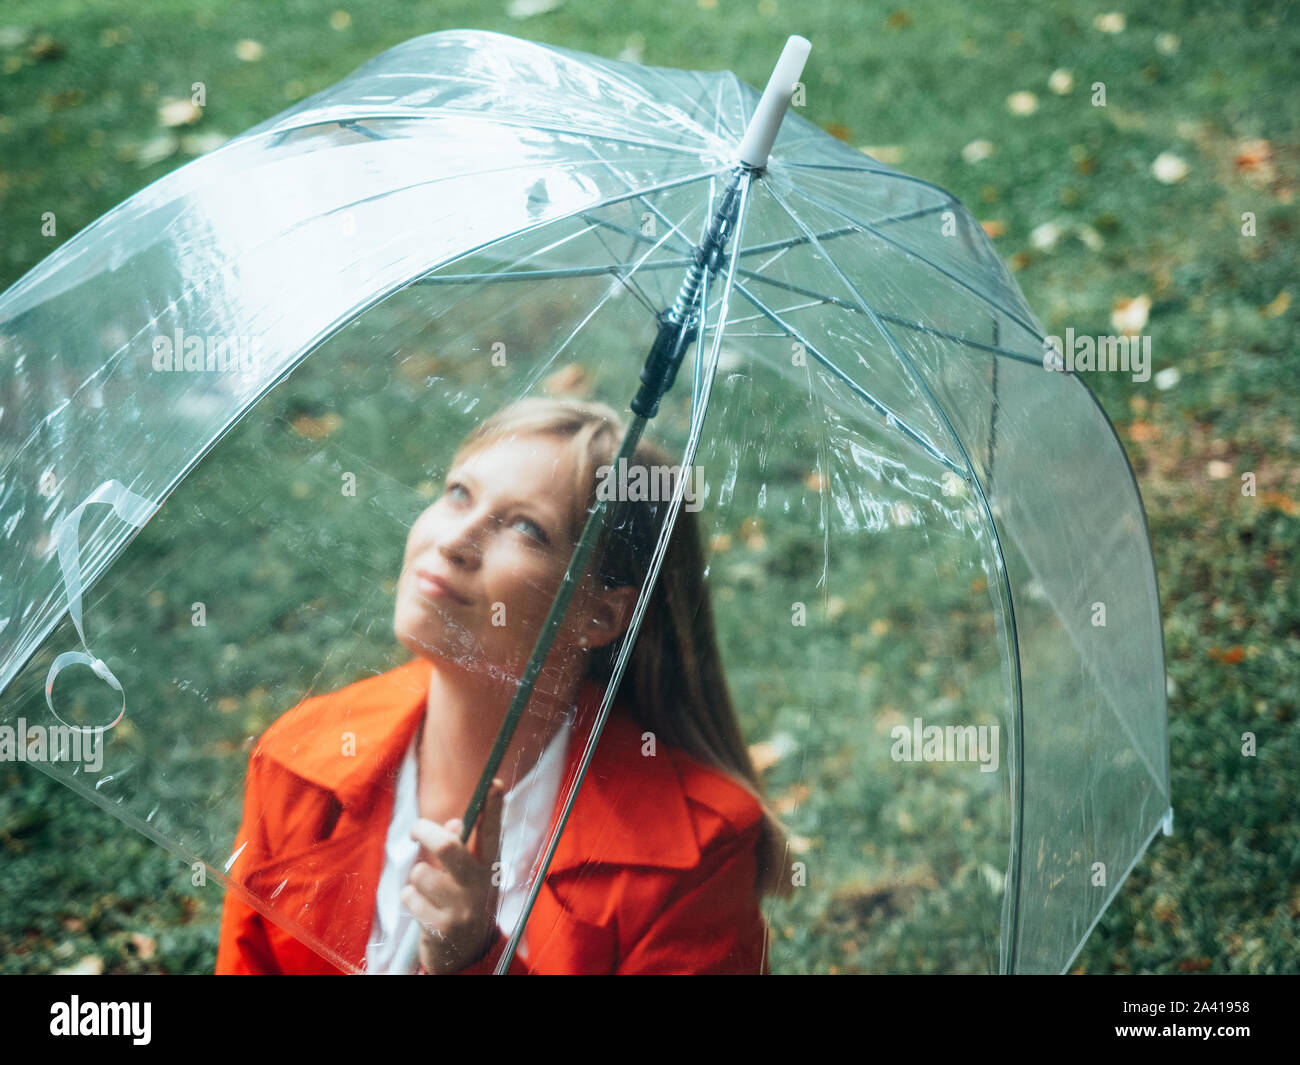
(453, 891)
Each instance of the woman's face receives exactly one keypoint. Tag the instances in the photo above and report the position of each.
(483, 562)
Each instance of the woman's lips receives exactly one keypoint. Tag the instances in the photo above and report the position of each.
(434, 587)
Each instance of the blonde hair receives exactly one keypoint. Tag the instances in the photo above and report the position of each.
(674, 680)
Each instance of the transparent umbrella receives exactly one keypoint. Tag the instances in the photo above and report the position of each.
(227, 410)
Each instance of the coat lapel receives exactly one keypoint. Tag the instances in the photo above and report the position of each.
(347, 746)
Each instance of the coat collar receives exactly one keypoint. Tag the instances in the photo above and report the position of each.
(631, 808)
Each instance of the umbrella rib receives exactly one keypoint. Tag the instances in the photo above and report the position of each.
(529, 275)
(895, 174)
(629, 282)
(365, 131)
(994, 304)
(1004, 580)
(720, 126)
(575, 272)
(587, 271)
(917, 437)
(742, 100)
(369, 115)
(601, 303)
(893, 319)
(773, 245)
(642, 197)
(637, 235)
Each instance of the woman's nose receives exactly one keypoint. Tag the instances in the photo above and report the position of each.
(458, 542)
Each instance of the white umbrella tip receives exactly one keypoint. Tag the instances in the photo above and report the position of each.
(756, 145)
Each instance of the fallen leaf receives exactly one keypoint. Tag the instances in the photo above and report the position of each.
(1143, 431)
(1279, 305)
(178, 112)
(317, 428)
(1168, 168)
(994, 227)
(634, 50)
(155, 150)
(529, 8)
(789, 802)
(1129, 316)
(1090, 237)
(767, 753)
(90, 965)
(889, 154)
(202, 143)
(837, 131)
(1022, 103)
(1231, 657)
(1044, 236)
(1278, 501)
(1061, 82)
(144, 945)
(44, 48)
(1254, 155)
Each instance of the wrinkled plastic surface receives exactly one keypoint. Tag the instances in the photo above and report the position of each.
(910, 521)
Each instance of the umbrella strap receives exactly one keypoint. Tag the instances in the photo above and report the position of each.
(130, 508)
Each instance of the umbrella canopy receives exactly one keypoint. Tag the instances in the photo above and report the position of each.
(226, 402)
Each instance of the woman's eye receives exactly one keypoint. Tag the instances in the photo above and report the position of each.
(453, 486)
(536, 532)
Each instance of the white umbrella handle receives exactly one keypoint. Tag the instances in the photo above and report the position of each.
(757, 142)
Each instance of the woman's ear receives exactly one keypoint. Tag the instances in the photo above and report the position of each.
(607, 615)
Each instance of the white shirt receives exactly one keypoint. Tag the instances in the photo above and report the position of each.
(525, 821)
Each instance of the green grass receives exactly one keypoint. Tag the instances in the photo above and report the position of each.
(1220, 895)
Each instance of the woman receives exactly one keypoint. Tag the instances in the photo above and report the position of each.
(669, 845)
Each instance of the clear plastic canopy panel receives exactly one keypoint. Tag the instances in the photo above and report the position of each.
(914, 532)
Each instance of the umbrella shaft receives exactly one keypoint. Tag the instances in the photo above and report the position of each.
(677, 328)
(550, 627)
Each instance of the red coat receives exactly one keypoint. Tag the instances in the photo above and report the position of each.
(655, 871)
